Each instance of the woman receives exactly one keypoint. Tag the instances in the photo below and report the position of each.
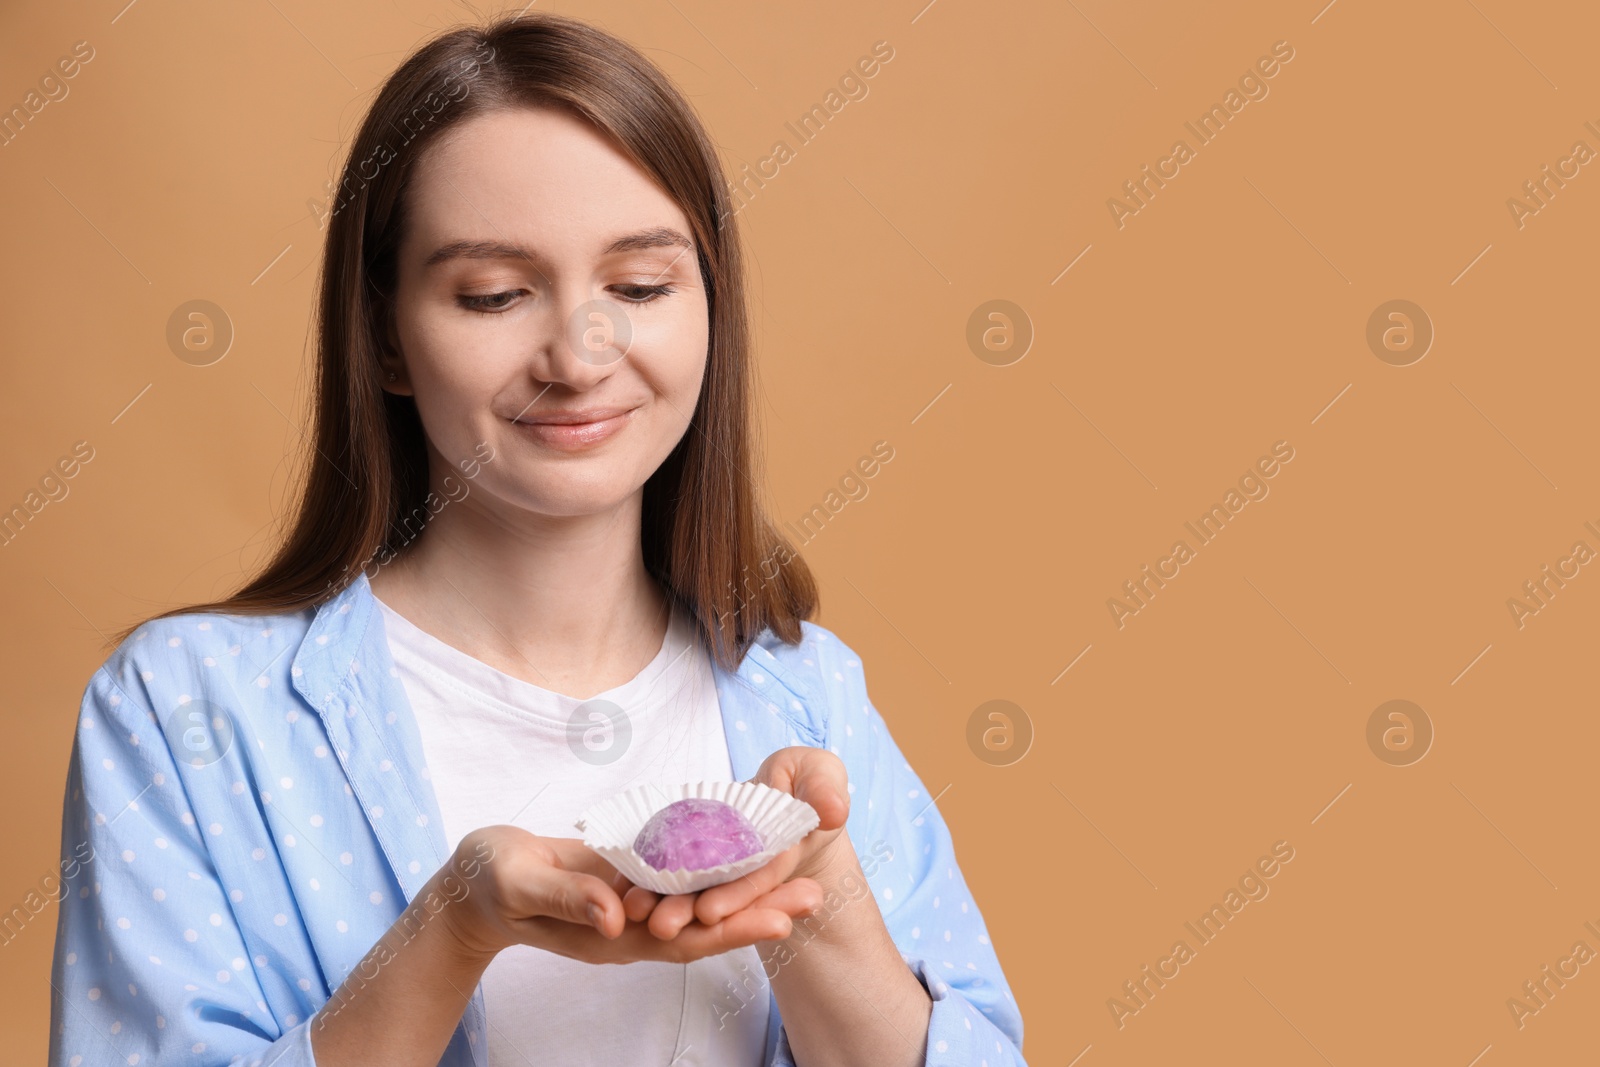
(330, 819)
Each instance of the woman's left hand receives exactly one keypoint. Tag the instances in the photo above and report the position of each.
(813, 775)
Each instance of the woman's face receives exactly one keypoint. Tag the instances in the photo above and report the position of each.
(542, 275)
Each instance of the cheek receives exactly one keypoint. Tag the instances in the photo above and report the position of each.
(669, 353)
(454, 373)
(670, 369)
(689, 370)
(674, 329)
(448, 348)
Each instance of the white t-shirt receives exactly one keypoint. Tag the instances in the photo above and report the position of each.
(497, 751)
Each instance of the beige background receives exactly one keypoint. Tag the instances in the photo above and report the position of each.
(1226, 315)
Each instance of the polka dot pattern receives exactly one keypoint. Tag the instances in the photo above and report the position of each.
(243, 881)
(909, 858)
(204, 910)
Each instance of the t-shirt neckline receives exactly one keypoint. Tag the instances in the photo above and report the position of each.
(424, 650)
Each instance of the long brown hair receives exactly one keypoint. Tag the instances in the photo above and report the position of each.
(704, 534)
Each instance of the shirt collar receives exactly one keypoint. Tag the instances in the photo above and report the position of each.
(342, 632)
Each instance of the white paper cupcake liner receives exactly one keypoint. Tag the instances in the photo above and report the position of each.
(610, 827)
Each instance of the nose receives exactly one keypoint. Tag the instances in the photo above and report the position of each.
(584, 340)
(599, 331)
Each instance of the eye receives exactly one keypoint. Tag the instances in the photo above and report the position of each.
(489, 304)
(642, 294)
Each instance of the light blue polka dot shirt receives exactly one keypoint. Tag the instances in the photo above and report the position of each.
(246, 813)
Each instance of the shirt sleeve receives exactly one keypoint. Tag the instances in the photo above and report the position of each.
(150, 966)
(908, 856)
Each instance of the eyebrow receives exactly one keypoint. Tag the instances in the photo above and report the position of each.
(657, 237)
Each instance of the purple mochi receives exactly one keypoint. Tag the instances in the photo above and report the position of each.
(696, 833)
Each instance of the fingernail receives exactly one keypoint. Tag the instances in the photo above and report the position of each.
(595, 915)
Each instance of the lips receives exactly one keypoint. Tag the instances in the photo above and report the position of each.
(573, 430)
(572, 418)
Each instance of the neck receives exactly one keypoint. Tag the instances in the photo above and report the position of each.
(562, 602)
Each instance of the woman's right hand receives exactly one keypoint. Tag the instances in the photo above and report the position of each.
(556, 894)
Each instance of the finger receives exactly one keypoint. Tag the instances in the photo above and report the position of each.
(574, 855)
(720, 901)
(671, 915)
(739, 930)
(820, 779)
(635, 942)
(668, 915)
(797, 899)
(548, 890)
(638, 902)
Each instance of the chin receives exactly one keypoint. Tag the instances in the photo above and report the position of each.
(571, 501)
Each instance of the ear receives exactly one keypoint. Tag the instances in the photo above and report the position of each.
(392, 364)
